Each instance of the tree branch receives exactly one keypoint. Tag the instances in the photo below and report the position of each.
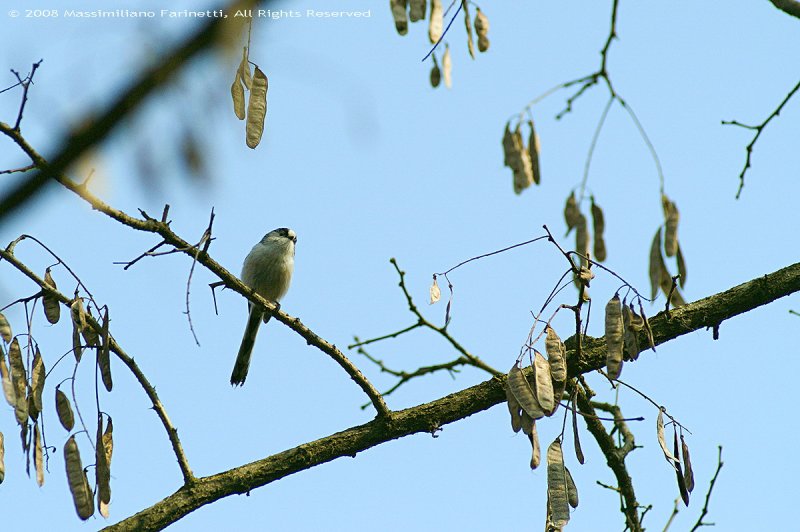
(790, 7)
(432, 416)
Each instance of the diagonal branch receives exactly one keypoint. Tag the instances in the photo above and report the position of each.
(432, 416)
(790, 7)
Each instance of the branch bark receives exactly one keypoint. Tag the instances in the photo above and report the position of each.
(430, 417)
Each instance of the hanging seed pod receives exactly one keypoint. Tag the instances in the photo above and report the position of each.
(89, 334)
(678, 470)
(78, 483)
(508, 145)
(556, 354)
(536, 453)
(468, 27)
(533, 147)
(5, 329)
(671, 217)
(527, 423)
(572, 490)
(237, 95)
(37, 380)
(521, 163)
(614, 333)
(515, 410)
(630, 341)
(688, 474)
(582, 239)
(436, 74)
(256, 109)
(681, 267)
(400, 15)
(38, 455)
(436, 21)
(482, 29)
(598, 226)
(416, 10)
(19, 381)
(447, 67)
(435, 292)
(662, 440)
(8, 387)
(571, 212)
(557, 494)
(544, 384)
(522, 391)
(103, 355)
(52, 308)
(575, 436)
(2, 458)
(102, 471)
(244, 69)
(646, 327)
(657, 267)
(64, 410)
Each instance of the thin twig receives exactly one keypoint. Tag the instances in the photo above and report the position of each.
(704, 511)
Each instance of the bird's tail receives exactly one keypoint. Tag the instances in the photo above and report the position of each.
(246, 349)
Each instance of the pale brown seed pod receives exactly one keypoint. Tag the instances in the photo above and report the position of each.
(544, 384)
(678, 470)
(436, 73)
(2, 458)
(657, 267)
(662, 442)
(527, 423)
(514, 409)
(436, 21)
(435, 292)
(572, 490)
(447, 67)
(416, 10)
(598, 226)
(78, 483)
(571, 212)
(582, 239)
(37, 380)
(556, 356)
(5, 329)
(614, 334)
(256, 108)
(468, 27)
(244, 70)
(521, 163)
(8, 387)
(671, 218)
(630, 341)
(688, 474)
(482, 29)
(533, 147)
(646, 325)
(557, 494)
(681, 267)
(89, 334)
(522, 391)
(575, 436)
(536, 453)
(508, 147)
(237, 95)
(64, 410)
(103, 355)
(19, 381)
(52, 308)
(38, 455)
(400, 15)
(102, 471)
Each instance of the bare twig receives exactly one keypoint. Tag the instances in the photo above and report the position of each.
(26, 83)
(758, 129)
(704, 511)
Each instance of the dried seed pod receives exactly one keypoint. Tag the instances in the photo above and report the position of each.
(614, 332)
(5, 329)
(688, 474)
(671, 217)
(102, 470)
(571, 212)
(646, 325)
(436, 74)
(514, 409)
(2, 458)
(679, 471)
(657, 267)
(556, 354)
(582, 239)
(572, 490)
(64, 410)
(544, 384)
(436, 21)
(256, 108)
(468, 27)
(598, 226)
(630, 341)
(38, 455)
(557, 494)
(585, 275)
(37, 380)
(78, 483)
(237, 95)
(416, 10)
(19, 381)
(681, 267)
(52, 308)
(482, 29)
(400, 15)
(8, 387)
(103, 355)
(536, 453)
(90, 336)
(527, 423)
(508, 146)
(447, 67)
(522, 391)
(521, 163)
(533, 144)
(244, 70)
(575, 437)
(662, 441)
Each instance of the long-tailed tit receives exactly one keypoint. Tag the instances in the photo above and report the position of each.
(268, 271)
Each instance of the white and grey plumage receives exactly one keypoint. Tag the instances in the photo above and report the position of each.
(268, 271)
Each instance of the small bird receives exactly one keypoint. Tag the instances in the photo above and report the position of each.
(268, 271)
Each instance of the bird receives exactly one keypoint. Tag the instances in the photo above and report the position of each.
(268, 271)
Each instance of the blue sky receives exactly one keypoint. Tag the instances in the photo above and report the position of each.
(366, 162)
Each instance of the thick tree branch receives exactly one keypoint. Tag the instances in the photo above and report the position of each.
(432, 416)
(790, 7)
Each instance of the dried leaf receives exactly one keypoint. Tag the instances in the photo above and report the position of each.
(657, 267)
(38, 455)
(662, 441)
(576, 438)
(8, 387)
(37, 380)
(244, 70)
(64, 410)
(52, 308)
(436, 21)
(400, 15)
(681, 267)
(572, 490)
(237, 94)
(103, 355)
(571, 212)
(614, 335)
(5, 329)
(671, 217)
(256, 108)
(19, 381)
(2, 458)
(436, 294)
(78, 483)
(468, 26)
(688, 474)
(598, 227)
(557, 494)
(544, 384)
(482, 29)
(416, 10)
(447, 67)
(536, 453)
(514, 409)
(533, 145)
(556, 354)
(522, 391)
